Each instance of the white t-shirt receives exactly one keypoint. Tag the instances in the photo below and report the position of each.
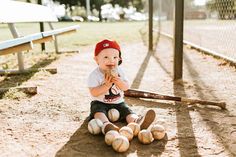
(114, 94)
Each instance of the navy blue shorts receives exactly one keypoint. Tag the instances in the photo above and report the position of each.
(97, 106)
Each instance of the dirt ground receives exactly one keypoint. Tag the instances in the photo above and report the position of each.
(53, 122)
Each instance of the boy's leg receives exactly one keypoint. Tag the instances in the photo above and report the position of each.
(101, 116)
(144, 121)
(98, 110)
(107, 124)
(130, 116)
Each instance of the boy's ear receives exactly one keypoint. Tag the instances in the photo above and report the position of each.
(120, 61)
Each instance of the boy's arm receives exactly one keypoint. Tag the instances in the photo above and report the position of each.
(96, 91)
(102, 89)
(123, 85)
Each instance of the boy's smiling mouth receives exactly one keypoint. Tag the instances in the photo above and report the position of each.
(110, 66)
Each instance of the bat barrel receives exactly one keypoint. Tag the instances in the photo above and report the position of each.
(144, 94)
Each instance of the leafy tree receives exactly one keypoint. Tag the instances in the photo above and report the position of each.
(68, 3)
(122, 3)
(97, 5)
(138, 4)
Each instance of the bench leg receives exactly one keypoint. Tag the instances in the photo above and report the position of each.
(19, 54)
(55, 41)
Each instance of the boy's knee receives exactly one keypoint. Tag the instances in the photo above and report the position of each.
(99, 114)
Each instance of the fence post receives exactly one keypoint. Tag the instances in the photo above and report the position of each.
(178, 39)
(150, 30)
(41, 28)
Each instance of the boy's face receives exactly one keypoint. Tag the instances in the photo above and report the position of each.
(107, 59)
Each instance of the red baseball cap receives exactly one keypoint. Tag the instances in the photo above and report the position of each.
(104, 44)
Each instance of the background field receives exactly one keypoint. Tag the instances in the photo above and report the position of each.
(88, 34)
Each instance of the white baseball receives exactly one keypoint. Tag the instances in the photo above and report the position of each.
(145, 136)
(113, 115)
(120, 144)
(158, 132)
(103, 129)
(110, 136)
(127, 132)
(95, 126)
(135, 127)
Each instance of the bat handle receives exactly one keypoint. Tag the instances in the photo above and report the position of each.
(222, 105)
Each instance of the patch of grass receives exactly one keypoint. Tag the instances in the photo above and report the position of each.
(14, 94)
(88, 34)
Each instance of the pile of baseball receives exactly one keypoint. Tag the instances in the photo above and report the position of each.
(120, 140)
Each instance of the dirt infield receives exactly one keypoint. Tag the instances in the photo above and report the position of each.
(53, 122)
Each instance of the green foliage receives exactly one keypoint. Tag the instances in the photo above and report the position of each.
(122, 3)
(96, 4)
(5, 66)
(14, 94)
(68, 3)
(138, 4)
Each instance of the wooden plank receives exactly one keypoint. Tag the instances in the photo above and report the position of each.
(26, 71)
(61, 30)
(67, 32)
(14, 11)
(44, 39)
(20, 40)
(32, 90)
(22, 47)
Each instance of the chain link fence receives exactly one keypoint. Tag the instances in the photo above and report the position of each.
(208, 24)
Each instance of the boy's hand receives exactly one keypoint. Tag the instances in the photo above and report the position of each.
(108, 80)
(122, 85)
(117, 80)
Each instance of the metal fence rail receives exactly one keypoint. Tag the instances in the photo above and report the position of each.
(209, 26)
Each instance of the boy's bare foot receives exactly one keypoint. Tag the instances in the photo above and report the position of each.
(110, 126)
(146, 120)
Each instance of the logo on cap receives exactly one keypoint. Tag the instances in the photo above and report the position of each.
(106, 45)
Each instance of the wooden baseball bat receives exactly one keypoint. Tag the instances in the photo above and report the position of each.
(151, 95)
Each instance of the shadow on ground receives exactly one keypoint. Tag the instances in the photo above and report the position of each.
(17, 80)
(82, 143)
